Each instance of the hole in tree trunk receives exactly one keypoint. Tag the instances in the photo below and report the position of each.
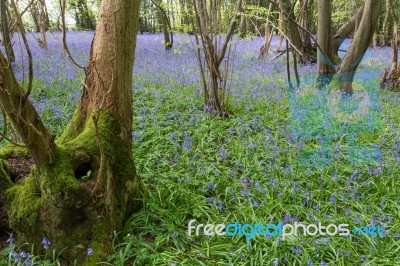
(83, 170)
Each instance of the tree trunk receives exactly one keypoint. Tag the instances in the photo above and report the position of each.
(305, 15)
(243, 26)
(6, 32)
(42, 23)
(268, 35)
(324, 58)
(85, 183)
(359, 45)
(184, 15)
(391, 79)
(346, 30)
(165, 24)
(84, 17)
(292, 31)
(35, 16)
(208, 23)
(388, 24)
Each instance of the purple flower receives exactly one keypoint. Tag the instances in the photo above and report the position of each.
(45, 243)
(187, 143)
(212, 200)
(24, 254)
(211, 186)
(247, 182)
(258, 187)
(287, 218)
(332, 200)
(254, 203)
(244, 192)
(334, 176)
(16, 256)
(296, 250)
(10, 240)
(89, 251)
(223, 153)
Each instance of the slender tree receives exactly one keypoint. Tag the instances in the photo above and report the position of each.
(324, 55)
(345, 31)
(165, 24)
(5, 29)
(208, 22)
(362, 40)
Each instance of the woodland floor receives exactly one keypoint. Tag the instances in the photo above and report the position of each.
(245, 168)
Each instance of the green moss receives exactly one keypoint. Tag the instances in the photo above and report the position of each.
(23, 204)
(58, 178)
(11, 149)
(73, 128)
(5, 181)
(70, 211)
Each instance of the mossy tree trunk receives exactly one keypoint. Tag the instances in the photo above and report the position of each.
(84, 183)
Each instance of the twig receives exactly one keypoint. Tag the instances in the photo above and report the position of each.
(64, 38)
(28, 51)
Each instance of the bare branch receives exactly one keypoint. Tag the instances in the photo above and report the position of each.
(28, 50)
(231, 29)
(64, 36)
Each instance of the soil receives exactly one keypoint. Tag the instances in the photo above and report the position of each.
(20, 167)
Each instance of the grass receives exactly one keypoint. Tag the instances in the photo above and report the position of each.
(246, 168)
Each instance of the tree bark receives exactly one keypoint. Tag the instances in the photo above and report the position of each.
(243, 26)
(292, 31)
(6, 32)
(24, 117)
(324, 57)
(35, 16)
(268, 34)
(166, 26)
(87, 183)
(359, 45)
(387, 25)
(208, 23)
(42, 23)
(305, 16)
(346, 30)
